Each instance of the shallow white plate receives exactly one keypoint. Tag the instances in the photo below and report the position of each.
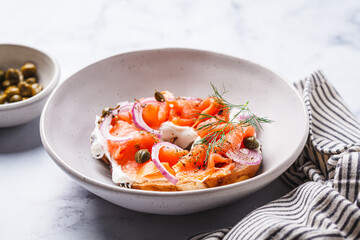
(68, 119)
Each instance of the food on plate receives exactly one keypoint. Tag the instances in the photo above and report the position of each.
(168, 143)
(19, 84)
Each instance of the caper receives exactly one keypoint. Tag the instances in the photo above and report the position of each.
(11, 74)
(25, 89)
(105, 111)
(36, 88)
(14, 76)
(6, 83)
(15, 98)
(143, 155)
(159, 96)
(30, 80)
(28, 70)
(15, 88)
(3, 98)
(11, 91)
(251, 142)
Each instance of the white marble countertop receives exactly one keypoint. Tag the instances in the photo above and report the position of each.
(292, 38)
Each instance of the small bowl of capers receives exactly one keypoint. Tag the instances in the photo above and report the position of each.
(27, 77)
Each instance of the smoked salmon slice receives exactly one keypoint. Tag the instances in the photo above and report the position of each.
(205, 161)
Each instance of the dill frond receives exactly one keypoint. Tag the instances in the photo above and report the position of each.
(242, 118)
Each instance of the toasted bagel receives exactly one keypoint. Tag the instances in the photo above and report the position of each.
(240, 173)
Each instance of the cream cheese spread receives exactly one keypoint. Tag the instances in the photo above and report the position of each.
(181, 136)
(99, 149)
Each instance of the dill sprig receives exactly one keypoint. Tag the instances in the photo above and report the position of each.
(248, 119)
(242, 118)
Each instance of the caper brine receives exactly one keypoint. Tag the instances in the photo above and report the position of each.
(251, 142)
(142, 156)
(13, 87)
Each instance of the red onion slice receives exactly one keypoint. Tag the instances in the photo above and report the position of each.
(191, 98)
(245, 156)
(106, 126)
(155, 158)
(122, 107)
(123, 103)
(242, 117)
(245, 116)
(138, 120)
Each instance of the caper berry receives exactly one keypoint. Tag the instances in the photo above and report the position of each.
(251, 142)
(30, 80)
(159, 96)
(3, 98)
(143, 155)
(15, 98)
(11, 91)
(28, 70)
(25, 89)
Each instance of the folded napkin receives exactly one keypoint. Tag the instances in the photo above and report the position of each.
(326, 202)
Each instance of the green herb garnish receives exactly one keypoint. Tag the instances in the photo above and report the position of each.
(218, 137)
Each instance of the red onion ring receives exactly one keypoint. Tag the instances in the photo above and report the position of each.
(185, 98)
(122, 107)
(106, 126)
(138, 120)
(191, 98)
(245, 156)
(242, 117)
(155, 158)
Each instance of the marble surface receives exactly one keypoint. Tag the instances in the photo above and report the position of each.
(293, 38)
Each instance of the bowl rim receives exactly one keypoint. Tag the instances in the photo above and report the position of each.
(46, 91)
(136, 192)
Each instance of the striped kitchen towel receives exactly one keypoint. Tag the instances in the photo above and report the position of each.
(326, 201)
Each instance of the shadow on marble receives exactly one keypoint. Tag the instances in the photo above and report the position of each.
(20, 138)
(115, 222)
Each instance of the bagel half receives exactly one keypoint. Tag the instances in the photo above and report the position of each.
(239, 173)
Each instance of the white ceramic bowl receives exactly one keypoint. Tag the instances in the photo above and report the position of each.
(74, 104)
(14, 56)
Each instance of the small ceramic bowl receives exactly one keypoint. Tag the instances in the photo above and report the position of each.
(75, 103)
(14, 56)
